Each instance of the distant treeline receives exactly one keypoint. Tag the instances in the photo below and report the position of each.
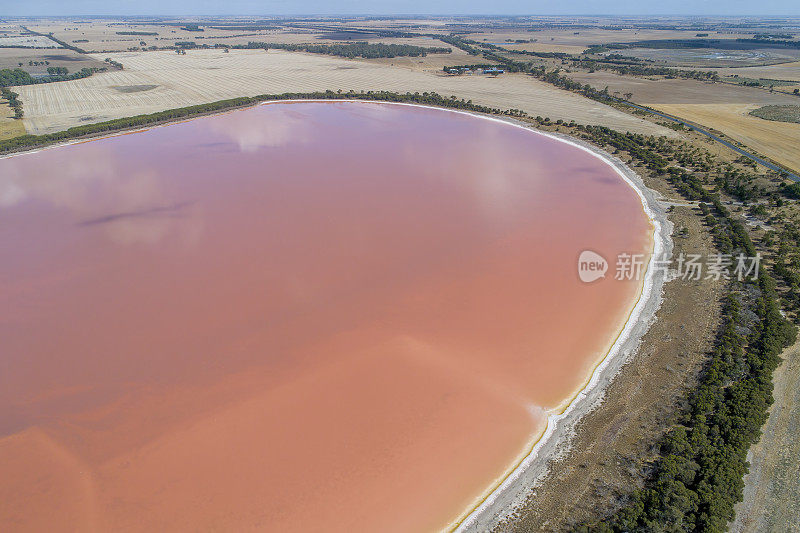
(244, 27)
(352, 50)
(17, 76)
(425, 98)
(616, 63)
(543, 55)
(471, 66)
(458, 42)
(703, 458)
(720, 44)
(136, 33)
(626, 66)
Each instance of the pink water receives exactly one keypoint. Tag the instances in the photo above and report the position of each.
(296, 317)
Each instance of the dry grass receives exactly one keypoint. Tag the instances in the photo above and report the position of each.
(721, 106)
(776, 140)
(210, 75)
(772, 488)
(9, 126)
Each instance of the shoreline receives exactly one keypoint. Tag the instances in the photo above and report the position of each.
(524, 475)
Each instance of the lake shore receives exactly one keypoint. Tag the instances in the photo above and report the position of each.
(528, 473)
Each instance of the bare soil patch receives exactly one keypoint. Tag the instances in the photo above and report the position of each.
(134, 88)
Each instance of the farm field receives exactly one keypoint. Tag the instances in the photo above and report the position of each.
(209, 75)
(119, 36)
(776, 140)
(678, 91)
(30, 41)
(781, 71)
(36, 61)
(721, 106)
(576, 40)
(706, 58)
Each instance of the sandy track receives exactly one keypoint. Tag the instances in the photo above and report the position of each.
(209, 75)
(776, 140)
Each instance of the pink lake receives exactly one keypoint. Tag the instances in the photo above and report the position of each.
(306, 316)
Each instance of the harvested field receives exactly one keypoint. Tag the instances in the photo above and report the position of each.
(210, 75)
(97, 36)
(115, 36)
(721, 106)
(28, 41)
(778, 113)
(675, 91)
(776, 140)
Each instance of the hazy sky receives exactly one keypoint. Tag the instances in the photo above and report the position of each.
(294, 7)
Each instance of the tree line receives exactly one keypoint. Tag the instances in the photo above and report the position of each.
(426, 98)
(352, 50)
(697, 478)
(17, 76)
(12, 99)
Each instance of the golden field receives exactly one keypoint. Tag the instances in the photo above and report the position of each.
(155, 81)
(777, 140)
(9, 126)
